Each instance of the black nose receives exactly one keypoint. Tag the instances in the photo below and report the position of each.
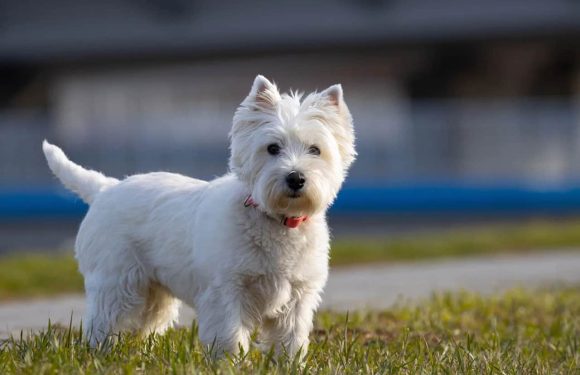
(295, 180)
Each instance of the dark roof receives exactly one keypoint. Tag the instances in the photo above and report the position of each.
(71, 29)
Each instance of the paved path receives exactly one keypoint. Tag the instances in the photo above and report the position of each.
(360, 287)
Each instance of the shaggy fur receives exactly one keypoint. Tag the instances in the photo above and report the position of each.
(154, 239)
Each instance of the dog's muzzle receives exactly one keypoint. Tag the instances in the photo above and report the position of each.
(295, 180)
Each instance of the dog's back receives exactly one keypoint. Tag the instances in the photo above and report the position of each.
(136, 211)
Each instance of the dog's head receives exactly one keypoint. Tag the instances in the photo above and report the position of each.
(293, 153)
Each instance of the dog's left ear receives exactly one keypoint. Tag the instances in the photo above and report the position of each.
(341, 126)
(334, 95)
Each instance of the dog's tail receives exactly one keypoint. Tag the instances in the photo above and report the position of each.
(86, 183)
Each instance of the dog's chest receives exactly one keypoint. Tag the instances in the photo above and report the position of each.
(278, 266)
(277, 249)
(271, 295)
(275, 284)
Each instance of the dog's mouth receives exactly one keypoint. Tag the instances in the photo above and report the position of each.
(293, 203)
(294, 195)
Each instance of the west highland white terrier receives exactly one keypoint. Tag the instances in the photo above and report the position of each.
(247, 250)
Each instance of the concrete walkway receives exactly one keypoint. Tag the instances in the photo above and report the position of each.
(359, 287)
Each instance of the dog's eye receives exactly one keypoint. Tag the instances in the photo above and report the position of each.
(314, 150)
(273, 149)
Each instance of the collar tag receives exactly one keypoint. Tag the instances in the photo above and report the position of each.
(294, 221)
(290, 222)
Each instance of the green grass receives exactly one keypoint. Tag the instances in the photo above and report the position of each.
(521, 332)
(508, 238)
(31, 275)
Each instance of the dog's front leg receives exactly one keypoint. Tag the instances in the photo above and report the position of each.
(223, 323)
(289, 332)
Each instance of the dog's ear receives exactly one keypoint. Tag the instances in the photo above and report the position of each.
(264, 94)
(341, 126)
(256, 109)
(334, 95)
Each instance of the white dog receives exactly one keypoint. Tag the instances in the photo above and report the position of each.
(247, 250)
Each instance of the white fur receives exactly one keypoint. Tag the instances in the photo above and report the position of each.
(154, 239)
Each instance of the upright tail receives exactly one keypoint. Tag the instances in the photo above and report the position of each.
(86, 183)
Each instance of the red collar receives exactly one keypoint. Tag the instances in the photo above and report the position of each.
(290, 222)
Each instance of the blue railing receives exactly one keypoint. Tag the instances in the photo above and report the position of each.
(413, 199)
(457, 199)
(39, 203)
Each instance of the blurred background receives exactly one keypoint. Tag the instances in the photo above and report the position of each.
(465, 111)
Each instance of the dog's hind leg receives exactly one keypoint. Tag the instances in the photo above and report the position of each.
(114, 302)
(96, 324)
(161, 310)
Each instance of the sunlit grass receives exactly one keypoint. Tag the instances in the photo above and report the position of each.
(521, 332)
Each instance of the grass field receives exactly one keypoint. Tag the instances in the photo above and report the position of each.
(31, 275)
(517, 333)
(506, 238)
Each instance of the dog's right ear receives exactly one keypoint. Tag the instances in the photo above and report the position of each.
(264, 94)
(256, 109)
